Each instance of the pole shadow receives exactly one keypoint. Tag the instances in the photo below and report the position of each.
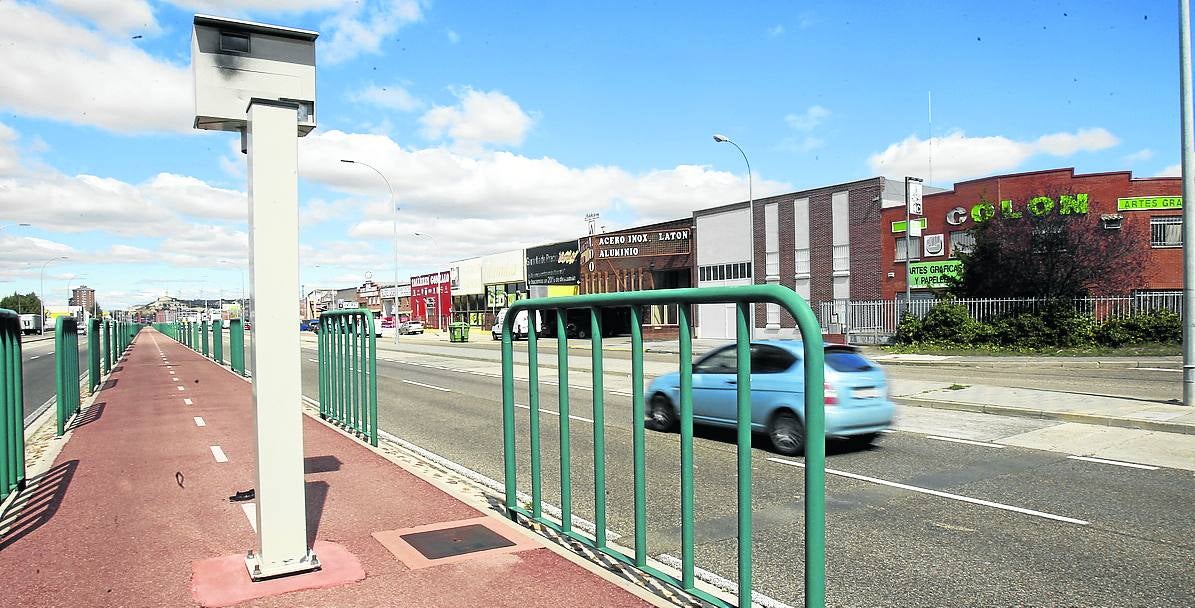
(317, 495)
(90, 415)
(41, 499)
(320, 464)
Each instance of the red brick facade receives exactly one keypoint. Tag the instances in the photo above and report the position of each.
(1158, 268)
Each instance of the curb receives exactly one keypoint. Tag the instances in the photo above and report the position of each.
(1026, 412)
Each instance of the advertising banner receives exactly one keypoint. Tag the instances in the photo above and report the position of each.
(1140, 203)
(932, 274)
(555, 264)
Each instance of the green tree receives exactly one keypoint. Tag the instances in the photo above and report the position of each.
(22, 303)
(1050, 256)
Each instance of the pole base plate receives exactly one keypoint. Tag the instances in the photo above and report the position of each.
(260, 570)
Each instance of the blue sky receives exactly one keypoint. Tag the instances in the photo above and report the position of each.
(502, 124)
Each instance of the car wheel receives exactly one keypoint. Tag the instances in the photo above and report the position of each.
(496, 336)
(581, 333)
(663, 417)
(864, 440)
(787, 434)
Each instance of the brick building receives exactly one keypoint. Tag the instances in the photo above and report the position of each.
(821, 243)
(431, 299)
(1148, 209)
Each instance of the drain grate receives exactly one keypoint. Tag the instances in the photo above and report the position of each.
(438, 544)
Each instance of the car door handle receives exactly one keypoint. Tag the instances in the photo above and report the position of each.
(732, 381)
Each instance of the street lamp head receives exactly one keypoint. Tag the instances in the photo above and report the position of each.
(25, 224)
(345, 160)
(718, 137)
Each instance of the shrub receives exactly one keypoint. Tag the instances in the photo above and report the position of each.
(945, 323)
(1160, 326)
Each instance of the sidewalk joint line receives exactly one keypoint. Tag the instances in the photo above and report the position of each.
(1119, 463)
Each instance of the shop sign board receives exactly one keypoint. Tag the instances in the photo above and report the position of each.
(933, 274)
(555, 264)
(1066, 204)
(1149, 203)
(649, 243)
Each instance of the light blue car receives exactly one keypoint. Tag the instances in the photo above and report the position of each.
(857, 404)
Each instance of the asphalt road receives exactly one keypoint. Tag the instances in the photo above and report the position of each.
(1054, 531)
(37, 371)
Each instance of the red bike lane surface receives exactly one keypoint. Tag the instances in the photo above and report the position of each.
(137, 498)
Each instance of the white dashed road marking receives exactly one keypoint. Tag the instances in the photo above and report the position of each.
(1115, 462)
(174, 379)
(434, 388)
(199, 422)
(218, 454)
(940, 494)
(186, 402)
(571, 417)
(181, 388)
(966, 441)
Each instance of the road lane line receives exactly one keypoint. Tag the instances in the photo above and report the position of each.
(250, 511)
(433, 387)
(181, 388)
(186, 402)
(940, 494)
(199, 421)
(174, 379)
(570, 416)
(314, 360)
(966, 441)
(218, 454)
(1160, 369)
(35, 357)
(1118, 463)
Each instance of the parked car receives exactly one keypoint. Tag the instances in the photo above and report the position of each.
(519, 329)
(857, 404)
(411, 327)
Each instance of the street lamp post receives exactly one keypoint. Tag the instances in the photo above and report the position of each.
(41, 292)
(1187, 115)
(722, 139)
(394, 215)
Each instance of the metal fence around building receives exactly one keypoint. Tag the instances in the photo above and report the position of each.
(875, 321)
(594, 305)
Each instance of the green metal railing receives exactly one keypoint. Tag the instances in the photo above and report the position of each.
(168, 329)
(12, 406)
(108, 336)
(236, 344)
(203, 330)
(218, 341)
(815, 446)
(348, 371)
(66, 369)
(93, 354)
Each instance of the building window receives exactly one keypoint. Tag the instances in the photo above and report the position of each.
(773, 314)
(773, 263)
(724, 272)
(914, 244)
(842, 258)
(802, 258)
(1166, 231)
(234, 42)
(961, 241)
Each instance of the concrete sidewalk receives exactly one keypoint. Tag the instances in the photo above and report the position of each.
(135, 511)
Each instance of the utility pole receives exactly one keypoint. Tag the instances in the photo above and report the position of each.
(1188, 160)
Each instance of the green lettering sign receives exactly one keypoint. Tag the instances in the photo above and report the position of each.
(1068, 204)
(1006, 210)
(1041, 205)
(1139, 203)
(983, 211)
(900, 226)
(923, 275)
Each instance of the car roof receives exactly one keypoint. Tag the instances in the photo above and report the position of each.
(797, 347)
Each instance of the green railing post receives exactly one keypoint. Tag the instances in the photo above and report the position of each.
(347, 363)
(537, 490)
(236, 344)
(66, 368)
(599, 427)
(12, 406)
(814, 403)
(203, 330)
(108, 346)
(218, 341)
(93, 354)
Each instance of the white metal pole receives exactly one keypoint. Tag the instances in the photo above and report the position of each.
(1188, 160)
(908, 253)
(275, 348)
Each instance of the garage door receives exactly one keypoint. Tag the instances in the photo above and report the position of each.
(717, 320)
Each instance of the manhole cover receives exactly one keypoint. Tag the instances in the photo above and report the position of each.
(438, 544)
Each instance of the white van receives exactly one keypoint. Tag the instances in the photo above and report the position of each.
(519, 329)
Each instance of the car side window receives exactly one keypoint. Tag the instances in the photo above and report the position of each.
(723, 361)
(770, 360)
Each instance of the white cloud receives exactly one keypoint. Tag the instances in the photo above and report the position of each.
(1175, 170)
(30, 252)
(776, 30)
(488, 117)
(116, 16)
(502, 201)
(10, 158)
(957, 156)
(807, 120)
(453, 37)
(362, 26)
(1140, 155)
(69, 73)
(272, 6)
(317, 211)
(191, 196)
(394, 97)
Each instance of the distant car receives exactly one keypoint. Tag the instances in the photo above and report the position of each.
(387, 322)
(411, 327)
(857, 404)
(248, 325)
